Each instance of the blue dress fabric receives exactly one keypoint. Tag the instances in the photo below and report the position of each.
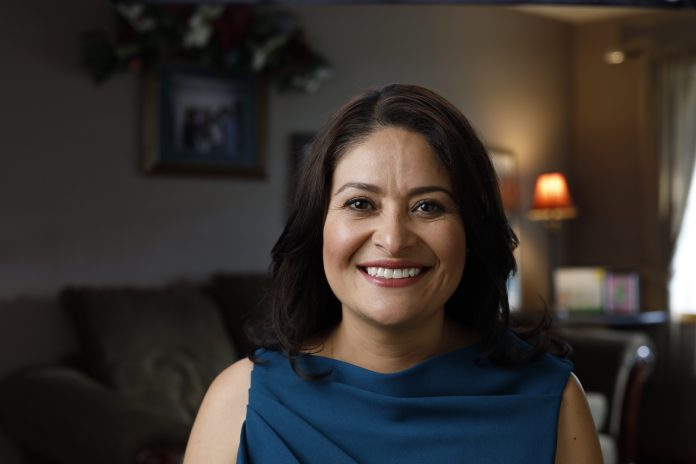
(451, 408)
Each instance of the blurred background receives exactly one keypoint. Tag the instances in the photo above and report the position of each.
(577, 90)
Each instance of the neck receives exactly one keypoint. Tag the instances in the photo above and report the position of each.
(387, 350)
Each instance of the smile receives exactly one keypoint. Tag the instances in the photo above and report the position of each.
(389, 276)
(390, 273)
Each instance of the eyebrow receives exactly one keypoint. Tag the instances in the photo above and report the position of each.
(375, 189)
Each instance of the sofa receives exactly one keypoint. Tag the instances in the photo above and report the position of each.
(612, 366)
(145, 358)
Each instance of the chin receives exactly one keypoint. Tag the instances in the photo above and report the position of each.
(391, 317)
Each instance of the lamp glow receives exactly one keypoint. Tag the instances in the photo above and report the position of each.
(552, 199)
(615, 56)
(552, 204)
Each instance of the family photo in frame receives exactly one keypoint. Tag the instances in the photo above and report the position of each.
(196, 120)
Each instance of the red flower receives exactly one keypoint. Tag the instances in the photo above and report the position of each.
(231, 27)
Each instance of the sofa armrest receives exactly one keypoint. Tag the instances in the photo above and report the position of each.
(608, 361)
(616, 364)
(65, 416)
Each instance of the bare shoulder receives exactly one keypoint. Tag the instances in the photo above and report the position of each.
(218, 425)
(237, 375)
(577, 440)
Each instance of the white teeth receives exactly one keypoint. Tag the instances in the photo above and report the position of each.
(388, 273)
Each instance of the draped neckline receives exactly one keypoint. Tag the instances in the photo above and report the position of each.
(470, 351)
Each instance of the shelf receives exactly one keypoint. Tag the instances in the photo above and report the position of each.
(613, 320)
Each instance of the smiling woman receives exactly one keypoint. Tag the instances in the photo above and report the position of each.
(389, 337)
(391, 212)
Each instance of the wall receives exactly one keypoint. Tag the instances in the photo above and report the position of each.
(614, 176)
(614, 164)
(75, 209)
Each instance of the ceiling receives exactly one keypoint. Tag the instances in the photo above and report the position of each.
(583, 14)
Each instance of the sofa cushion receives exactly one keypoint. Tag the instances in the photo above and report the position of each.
(162, 346)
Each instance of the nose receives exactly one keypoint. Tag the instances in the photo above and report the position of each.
(393, 233)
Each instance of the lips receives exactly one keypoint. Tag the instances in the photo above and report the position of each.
(390, 273)
(393, 273)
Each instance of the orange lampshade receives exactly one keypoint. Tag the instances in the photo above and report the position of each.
(552, 199)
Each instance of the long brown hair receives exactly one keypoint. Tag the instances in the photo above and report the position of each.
(302, 305)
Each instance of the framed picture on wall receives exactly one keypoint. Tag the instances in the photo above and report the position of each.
(505, 165)
(195, 120)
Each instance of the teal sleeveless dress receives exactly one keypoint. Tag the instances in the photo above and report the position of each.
(451, 408)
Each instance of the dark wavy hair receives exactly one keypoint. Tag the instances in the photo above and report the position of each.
(302, 305)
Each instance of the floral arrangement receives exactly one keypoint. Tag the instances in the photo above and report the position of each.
(237, 38)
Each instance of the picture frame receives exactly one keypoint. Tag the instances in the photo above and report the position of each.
(200, 121)
(505, 165)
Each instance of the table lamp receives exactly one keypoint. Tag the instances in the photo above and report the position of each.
(552, 204)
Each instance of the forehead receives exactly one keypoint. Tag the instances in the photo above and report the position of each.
(391, 155)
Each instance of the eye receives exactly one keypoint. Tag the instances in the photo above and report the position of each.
(429, 207)
(358, 204)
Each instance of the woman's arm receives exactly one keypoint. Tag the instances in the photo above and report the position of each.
(215, 435)
(577, 441)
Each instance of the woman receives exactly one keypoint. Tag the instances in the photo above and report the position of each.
(389, 335)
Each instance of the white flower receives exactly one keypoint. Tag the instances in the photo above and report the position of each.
(198, 33)
(134, 15)
(209, 12)
(200, 30)
(130, 11)
(311, 82)
(197, 37)
(262, 53)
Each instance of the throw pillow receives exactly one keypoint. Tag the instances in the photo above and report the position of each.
(160, 346)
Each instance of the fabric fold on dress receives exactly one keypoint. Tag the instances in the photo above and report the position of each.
(451, 408)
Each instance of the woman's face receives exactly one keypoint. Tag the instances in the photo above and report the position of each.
(394, 242)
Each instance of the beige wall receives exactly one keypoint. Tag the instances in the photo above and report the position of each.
(614, 166)
(605, 166)
(76, 209)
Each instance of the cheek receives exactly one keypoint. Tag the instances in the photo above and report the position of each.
(341, 241)
(452, 254)
(451, 247)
